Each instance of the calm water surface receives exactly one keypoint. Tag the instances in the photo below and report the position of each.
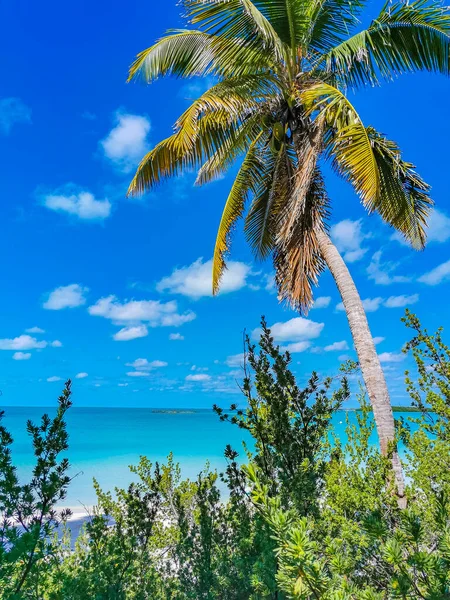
(105, 441)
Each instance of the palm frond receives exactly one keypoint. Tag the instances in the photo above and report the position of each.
(298, 261)
(234, 19)
(291, 19)
(236, 143)
(404, 201)
(404, 37)
(333, 21)
(237, 98)
(247, 182)
(346, 140)
(271, 197)
(173, 155)
(207, 127)
(182, 53)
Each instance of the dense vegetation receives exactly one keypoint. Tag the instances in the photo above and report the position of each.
(307, 517)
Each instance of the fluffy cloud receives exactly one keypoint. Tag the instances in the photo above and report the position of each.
(54, 378)
(22, 342)
(337, 346)
(142, 364)
(81, 204)
(176, 337)
(296, 347)
(373, 304)
(438, 229)
(137, 374)
(81, 375)
(391, 357)
(235, 360)
(437, 275)
(378, 339)
(69, 296)
(198, 377)
(12, 111)
(400, 301)
(35, 330)
(130, 333)
(195, 280)
(127, 142)
(381, 273)
(153, 312)
(27, 342)
(21, 355)
(294, 330)
(348, 237)
(321, 302)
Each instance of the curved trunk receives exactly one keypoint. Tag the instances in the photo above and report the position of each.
(367, 355)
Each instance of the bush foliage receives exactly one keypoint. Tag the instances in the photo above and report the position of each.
(305, 515)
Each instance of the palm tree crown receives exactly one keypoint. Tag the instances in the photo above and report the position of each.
(281, 69)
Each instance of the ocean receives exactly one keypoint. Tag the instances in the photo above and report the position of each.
(103, 442)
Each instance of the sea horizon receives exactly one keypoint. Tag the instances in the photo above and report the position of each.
(105, 441)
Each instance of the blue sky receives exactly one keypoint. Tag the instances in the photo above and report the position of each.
(115, 293)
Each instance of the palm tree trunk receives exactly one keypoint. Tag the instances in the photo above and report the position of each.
(368, 358)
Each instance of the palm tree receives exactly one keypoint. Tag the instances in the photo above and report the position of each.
(280, 72)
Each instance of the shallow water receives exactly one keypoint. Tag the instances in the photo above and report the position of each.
(103, 442)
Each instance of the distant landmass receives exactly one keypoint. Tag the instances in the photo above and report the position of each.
(174, 411)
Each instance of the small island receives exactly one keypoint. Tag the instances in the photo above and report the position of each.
(173, 411)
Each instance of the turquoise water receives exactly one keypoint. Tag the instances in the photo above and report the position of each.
(103, 442)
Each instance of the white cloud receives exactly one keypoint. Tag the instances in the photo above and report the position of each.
(348, 237)
(12, 111)
(56, 344)
(235, 360)
(321, 302)
(81, 375)
(378, 339)
(294, 330)
(176, 336)
(337, 346)
(195, 280)
(69, 296)
(153, 312)
(21, 355)
(127, 143)
(390, 357)
(82, 204)
(437, 275)
(53, 379)
(142, 364)
(130, 333)
(369, 304)
(198, 377)
(438, 229)
(22, 342)
(122, 384)
(296, 347)
(381, 273)
(399, 301)
(270, 283)
(35, 330)
(137, 374)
